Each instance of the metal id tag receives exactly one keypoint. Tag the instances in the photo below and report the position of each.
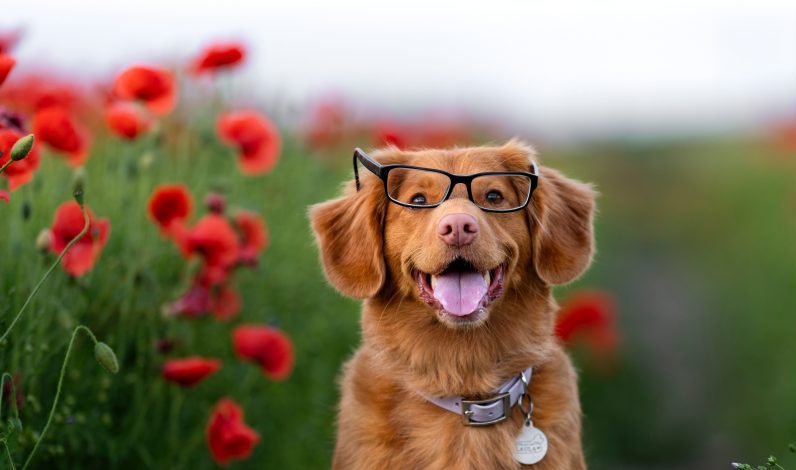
(531, 445)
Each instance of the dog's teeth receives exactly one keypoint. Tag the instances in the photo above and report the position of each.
(433, 282)
(487, 278)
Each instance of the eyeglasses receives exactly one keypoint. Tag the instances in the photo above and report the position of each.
(424, 188)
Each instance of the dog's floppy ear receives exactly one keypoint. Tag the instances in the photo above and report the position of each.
(349, 234)
(562, 219)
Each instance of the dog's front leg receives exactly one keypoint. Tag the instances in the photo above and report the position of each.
(367, 455)
(366, 437)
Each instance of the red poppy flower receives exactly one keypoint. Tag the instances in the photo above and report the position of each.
(225, 303)
(153, 86)
(168, 204)
(327, 125)
(12, 120)
(253, 235)
(214, 239)
(126, 120)
(34, 92)
(189, 371)
(9, 39)
(441, 132)
(222, 300)
(228, 437)
(217, 57)
(67, 224)
(267, 346)
(254, 136)
(784, 133)
(6, 64)
(56, 127)
(588, 316)
(4, 196)
(195, 302)
(392, 133)
(21, 171)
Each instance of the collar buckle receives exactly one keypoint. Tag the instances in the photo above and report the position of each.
(468, 412)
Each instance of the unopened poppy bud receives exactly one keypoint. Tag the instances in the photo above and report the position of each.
(15, 424)
(215, 202)
(164, 346)
(79, 180)
(22, 147)
(146, 160)
(105, 356)
(26, 210)
(43, 240)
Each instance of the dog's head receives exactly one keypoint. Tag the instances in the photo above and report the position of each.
(455, 263)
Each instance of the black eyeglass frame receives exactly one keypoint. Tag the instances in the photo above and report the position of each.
(382, 171)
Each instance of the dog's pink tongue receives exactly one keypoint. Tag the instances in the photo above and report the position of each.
(460, 292)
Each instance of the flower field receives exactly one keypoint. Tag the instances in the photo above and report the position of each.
(197, 269)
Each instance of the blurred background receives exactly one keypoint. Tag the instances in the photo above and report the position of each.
(683, 114)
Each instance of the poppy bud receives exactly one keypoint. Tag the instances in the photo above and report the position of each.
(22, 147)
(43, 240)
(26, 210)
(105, 356)
(164, 346)
(146, 160)
(78, 182)
(15, 424)
(215, 203)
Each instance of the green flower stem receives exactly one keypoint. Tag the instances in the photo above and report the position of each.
(58, 389)
(8, 163)
(49, 271)
(174, 418)
(8, 454)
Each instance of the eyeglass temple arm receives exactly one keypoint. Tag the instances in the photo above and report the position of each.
(374, 166)
(368, 162)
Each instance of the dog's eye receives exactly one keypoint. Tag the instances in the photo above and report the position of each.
(494, 197)
(418, 199)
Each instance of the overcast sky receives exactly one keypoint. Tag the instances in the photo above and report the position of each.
(557, 67)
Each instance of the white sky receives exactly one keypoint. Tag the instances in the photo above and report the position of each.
(557, 68)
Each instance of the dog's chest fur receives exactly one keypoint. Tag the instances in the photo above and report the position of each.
(383, 425)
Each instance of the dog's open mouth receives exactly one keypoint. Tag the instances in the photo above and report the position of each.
(460, 290)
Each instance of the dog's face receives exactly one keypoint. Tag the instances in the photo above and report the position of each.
(455, 263)
(456, 258)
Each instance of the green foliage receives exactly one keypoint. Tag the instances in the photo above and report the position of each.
(139, 418)
(771, 462)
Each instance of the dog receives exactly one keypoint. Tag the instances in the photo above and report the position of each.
(458, 312)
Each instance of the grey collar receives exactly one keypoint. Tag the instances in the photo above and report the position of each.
(490, 410)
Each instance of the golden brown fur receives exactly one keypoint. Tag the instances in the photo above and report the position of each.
(369, 248)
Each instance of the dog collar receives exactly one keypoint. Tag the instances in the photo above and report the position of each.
(490, 410)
